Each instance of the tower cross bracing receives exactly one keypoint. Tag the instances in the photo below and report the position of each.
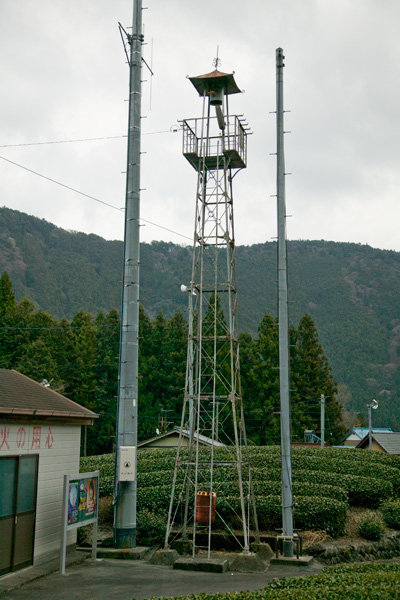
(212, 415)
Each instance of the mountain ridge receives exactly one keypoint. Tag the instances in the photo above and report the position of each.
(351, 291)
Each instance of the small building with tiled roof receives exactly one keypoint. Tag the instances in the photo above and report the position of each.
(356, 434)
(40, 433)
(170, 439)
(383, 442)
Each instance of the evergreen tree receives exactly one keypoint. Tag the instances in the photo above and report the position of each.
(311, 377)
(7, 312)
(147, 412)
(106, 372)
(38, 357)
(260, 382)
(175, 364)
(67, 351)
(83, 384)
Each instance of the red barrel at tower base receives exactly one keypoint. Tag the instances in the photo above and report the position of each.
(203, 506)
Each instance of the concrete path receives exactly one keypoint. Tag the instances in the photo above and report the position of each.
(105, 579)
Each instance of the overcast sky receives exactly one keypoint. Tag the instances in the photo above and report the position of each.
(64, 77)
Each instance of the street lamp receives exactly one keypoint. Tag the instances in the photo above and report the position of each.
(372, 406)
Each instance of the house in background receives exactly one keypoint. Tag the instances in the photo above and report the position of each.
(356, 434)
(40, 433)
(383, 442)
(170, 439)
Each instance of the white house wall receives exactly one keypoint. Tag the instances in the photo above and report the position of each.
(58, 447)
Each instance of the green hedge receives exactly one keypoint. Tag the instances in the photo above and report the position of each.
(309, 513)
(320, 478)
(261, 483)
(350, 582)
(362, 491)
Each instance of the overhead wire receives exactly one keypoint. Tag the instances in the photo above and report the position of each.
(95, 139)
(68, 187)
(61, 184)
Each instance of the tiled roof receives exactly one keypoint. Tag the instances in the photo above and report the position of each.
(390, 442)
(21, 396)
(185, 433)
(226, 80)
(363, 431)
(360, 432)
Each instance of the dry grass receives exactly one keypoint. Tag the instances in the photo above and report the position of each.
(106, 511)
(314, 537)
(350, 536)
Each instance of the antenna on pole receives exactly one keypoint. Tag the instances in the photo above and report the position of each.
(217, 61)
(284, 377)
(126, 439)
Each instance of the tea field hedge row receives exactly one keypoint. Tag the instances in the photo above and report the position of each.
(350, 582)
(367, 477)
(316, 512)
(270, 484)
(332, 478)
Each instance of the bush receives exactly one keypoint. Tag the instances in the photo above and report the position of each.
(391, 512)
(371, 526)
(150, 527)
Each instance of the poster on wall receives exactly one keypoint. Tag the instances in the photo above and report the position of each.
(80, 504)
(73, 507)
(82, 500)
(91, 507)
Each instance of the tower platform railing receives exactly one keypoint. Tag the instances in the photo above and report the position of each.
(215, 146)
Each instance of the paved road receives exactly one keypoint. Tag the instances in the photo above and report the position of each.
(105, 579)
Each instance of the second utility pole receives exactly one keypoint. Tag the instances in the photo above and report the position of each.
(284, 373)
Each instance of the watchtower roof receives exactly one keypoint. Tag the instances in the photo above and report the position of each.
(215, 80)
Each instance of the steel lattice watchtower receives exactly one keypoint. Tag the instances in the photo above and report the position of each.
(212, 433)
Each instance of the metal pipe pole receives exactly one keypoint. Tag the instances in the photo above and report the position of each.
(125, 491)
(369, 426)
(287, 503)
(190, 360)
(322, 420)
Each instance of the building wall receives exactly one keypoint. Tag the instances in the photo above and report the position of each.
(352, 443)
(58, 447)
(376, 446)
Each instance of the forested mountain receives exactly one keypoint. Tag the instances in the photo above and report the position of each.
(351, 291)
(80, 359)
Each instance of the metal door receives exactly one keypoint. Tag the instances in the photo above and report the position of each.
(18, 490)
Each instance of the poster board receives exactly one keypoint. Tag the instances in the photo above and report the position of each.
(80, 508)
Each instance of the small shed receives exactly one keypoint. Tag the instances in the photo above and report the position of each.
(40, 433)
(383, 442)
(170, 439)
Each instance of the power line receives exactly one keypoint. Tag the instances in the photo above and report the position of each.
(90, 197)
(61, 184)
(166, 229)
(95, 139)
(110, 137)
(60, 328)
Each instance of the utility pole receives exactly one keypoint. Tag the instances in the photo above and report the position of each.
(322, 420)
(284, 377)
(126, 439)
